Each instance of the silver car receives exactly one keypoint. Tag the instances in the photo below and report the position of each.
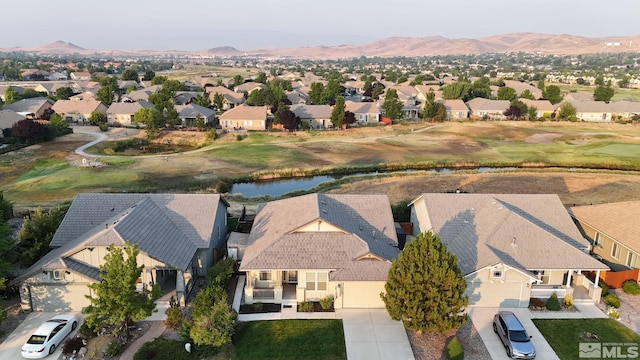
(513, 336)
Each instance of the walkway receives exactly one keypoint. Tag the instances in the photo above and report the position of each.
(156, 328)
(369, 334)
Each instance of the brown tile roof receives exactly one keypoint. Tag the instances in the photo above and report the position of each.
(365, 226)
(618, 221)
(525, 231)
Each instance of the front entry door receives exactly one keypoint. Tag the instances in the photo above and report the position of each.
(290, 277)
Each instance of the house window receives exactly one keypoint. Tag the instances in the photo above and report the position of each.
(631, 260)
(57, 275)
(317, 281)
(597, 240)
(615, 251)
(265, 275)
(497, 274)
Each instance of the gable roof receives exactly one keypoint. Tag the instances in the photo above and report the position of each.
(618, 221)
(541, 105)
(525, 231)
(8, 118)
(192, 111)
(304, 111)
(482, 104)
(245, 112)
(591, 106)
(362, 107)
(455, 105)
(76, 106)
(360, 226)
(28, 106)
(128, 107)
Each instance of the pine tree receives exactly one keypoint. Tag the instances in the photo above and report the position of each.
(115, 300)
(337, 114)
(425, 287)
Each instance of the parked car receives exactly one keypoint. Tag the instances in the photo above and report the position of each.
(48, 336)
(513, 336)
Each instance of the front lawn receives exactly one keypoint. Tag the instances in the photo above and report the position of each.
(564, 335)
(290, 339)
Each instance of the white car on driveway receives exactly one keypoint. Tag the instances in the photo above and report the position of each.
(49, 336)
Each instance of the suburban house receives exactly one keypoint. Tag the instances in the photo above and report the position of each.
(189, 113)
(317, 116)
(142, 94)
(244, 117)
(544, 108)
(249, 87)
(486, 109)
(231, 98)
(78, 111)
(595, 111)
(613, 231)
(520, 87)
(122, 113)
(8, 118)
(297, 97)
(511, 247)
(177, 235)
(424, 90)
(315, 246)
(456, 109)
(3, 90)
(624, 110)
(50, 88)
(32, 108)
(186, 97)
(365, 112)
(80, 76)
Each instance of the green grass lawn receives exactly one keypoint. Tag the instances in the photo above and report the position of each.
(564, 335)
(291, 339)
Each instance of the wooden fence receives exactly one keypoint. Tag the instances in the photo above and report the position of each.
(614, 279)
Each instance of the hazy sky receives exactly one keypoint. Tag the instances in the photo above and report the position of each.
(253, 24)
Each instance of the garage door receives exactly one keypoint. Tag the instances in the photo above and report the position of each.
(59, 297)
(364, 294)
(496, 294)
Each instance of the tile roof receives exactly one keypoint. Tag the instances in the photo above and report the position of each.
(278, 241)
(618, 221)
(245, 112)
(526, 231)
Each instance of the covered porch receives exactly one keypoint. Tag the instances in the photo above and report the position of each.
(278, 286)
(565, 283)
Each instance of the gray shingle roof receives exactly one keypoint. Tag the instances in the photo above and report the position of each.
(529, 232)
(278, 241)
(619, 221)
(31, 105)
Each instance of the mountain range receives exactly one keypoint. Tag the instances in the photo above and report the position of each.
(562, 44)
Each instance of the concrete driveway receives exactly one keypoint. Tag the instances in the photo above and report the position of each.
(371, 334)
(10, 347)
(483, 321)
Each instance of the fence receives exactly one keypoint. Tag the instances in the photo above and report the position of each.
(614, 279)
(11, 147)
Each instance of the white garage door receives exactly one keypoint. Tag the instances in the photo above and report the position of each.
(496, 294)
(59, 297)
(364, 294)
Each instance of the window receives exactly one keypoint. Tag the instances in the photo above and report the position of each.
(597, 240)
(497, 274)
(615, 250)
(631, 260)
(317, 281)
(57, 275)
(265, 275)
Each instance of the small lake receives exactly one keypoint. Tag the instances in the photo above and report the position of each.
(279, 187)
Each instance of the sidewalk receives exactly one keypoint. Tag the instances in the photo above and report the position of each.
(156, 328)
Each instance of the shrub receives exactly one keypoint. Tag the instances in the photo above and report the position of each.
(86, 331)
(103, 127)
(612, 300)
(114, 348)
(605, 288)
(568, 301)
(631, 287)
(72, 344)
(613, 312)
(257, 307)
(174, 318)
(327, 302)
(553, 304)
(454, 349)
(221, 272)
(305, 306)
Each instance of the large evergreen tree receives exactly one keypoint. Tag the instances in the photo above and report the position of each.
(392, 105)
(338, 114)
(425, 288)
(36, 234)
(115, 300)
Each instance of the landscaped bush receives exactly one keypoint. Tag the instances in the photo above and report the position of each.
(174, 318)
(612, 300)
(72, 344)
(258, 306)
(103, 127)
(114, 348)
(454, 349)
(86, 331)
(631, 287)
(305, 306)
(326, 303)
(553, 304)
(122, 145)
(568, 301)
(221, 272)
(605, 288)
(613, 312)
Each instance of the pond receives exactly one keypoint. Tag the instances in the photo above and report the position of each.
(279, 187)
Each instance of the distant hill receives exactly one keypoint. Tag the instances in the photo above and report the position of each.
(394, 46)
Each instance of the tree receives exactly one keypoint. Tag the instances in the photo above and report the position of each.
(130, 74)
(349, 118)
(287, 118)
(316, 93)
(57, 121)
(425, 287)
(527, 94)
(457, 90)
(28, 130)
(434, 110)
(203, 100)
(114, 300)
(516, 110)
(532, 113)
(10, 95)
(214, 321)
(480, 88)
(567, 112)
(108, 90)
(261, 78)
(331, 91)
(237, 80)
(36, 234)
(218, 101)
(337, 114)
(6, 208)
(603, 93)
(392, 106)
(552, 93)
(96, 118)
(507, 93)
(64, 93)
(599, 80)
(158, 80)
(540, 84)
(149, 75)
